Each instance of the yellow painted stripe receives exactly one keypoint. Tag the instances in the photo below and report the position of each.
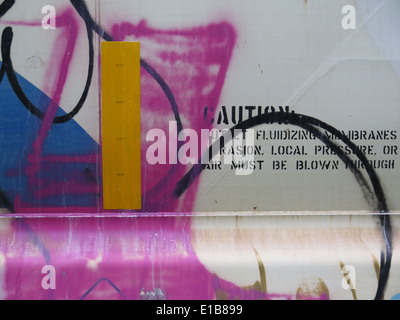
(120, 88)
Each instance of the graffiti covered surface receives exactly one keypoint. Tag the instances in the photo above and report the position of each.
(194, 258)
(308, 106)
(291, 76)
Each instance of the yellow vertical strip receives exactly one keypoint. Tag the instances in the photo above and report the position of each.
(120, 88)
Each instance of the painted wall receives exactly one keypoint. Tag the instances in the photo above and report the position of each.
(321, 98)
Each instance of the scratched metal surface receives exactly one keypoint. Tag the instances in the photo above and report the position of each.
(316, 218)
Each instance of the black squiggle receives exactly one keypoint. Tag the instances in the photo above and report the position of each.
(91, 26)
(376, 197)
(7, 68)
(5, 201)
(5, 6)
(300, 120)
(83, 11)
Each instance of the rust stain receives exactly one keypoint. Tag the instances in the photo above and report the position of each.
(221, 295)
(262, 284)
(263, 275)
(376, 266)
(312, 288)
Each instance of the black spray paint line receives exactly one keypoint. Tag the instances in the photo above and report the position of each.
(5, 6)
(5, 201)
(91, 26)
(376, 198)
(8, 69)
(83, 11)
(298, 120)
